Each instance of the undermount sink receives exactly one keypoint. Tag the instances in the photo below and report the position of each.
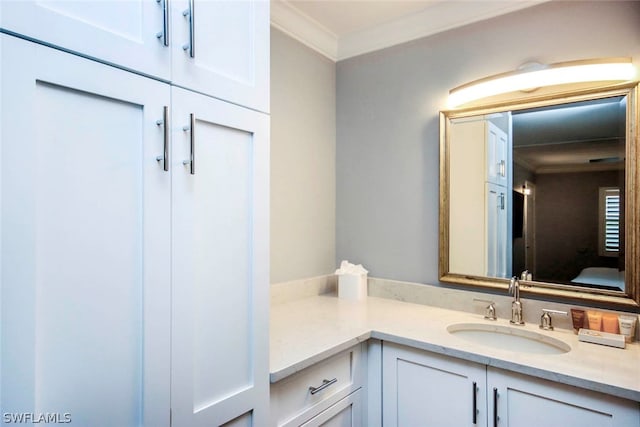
(508, 338)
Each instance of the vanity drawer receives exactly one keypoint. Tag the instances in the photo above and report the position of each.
(305, 394)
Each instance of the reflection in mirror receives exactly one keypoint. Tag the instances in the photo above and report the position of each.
(540, 189)
(568, 178)
(480, 180)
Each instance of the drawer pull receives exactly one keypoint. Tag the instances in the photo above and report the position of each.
(325, 384)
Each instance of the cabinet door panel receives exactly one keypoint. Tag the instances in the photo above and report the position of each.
(526, 401)
(229, 57)
(85, 240)
(430, 390)
(120, 32)
(219, 281)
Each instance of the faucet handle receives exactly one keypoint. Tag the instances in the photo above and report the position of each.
(545, 319)
(490, 313)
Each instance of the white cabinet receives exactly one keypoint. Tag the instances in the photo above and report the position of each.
(328, 393)
(345, 413)
(220, 48)
(220, 261)
(523, 401)
(426, 389)
(117, 32)
(85, 240)
(131, 295)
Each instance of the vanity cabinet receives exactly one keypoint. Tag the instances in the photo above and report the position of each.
(134, 236)
(216, 48)
(328, 393)
(426, 389)
(520, 400)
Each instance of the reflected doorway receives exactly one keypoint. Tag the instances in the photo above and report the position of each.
(524, 228)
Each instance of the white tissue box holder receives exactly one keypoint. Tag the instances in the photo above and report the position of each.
(352, 286)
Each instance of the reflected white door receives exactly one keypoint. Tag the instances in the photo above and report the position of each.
(85, 240)
(496, 231)
(497, 155)
(118, 32)
(220, 256)
(530, 227)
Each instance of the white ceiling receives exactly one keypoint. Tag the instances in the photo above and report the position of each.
(340, 29)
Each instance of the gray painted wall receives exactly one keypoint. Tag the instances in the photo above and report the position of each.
(387, 120)
(303, 132)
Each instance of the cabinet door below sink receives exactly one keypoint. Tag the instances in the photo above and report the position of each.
(525, 401)
(426, 389)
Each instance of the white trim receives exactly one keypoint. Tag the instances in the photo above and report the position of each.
(303, 28)
(439, 17)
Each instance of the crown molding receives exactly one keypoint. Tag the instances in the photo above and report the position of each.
(438, 17)
(303, 28)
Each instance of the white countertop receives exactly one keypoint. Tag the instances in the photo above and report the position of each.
(306, 331)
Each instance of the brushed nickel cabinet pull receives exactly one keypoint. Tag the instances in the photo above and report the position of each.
(164, 34)
(165, 151)
(165, 117)
(325, 384)
(192, 141)
(191, 46)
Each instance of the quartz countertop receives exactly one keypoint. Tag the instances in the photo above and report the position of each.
(308, 330)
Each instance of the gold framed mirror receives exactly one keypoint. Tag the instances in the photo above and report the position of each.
(545, 188)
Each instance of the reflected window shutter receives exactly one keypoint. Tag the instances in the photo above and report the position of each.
(609, 221)
(612, 220)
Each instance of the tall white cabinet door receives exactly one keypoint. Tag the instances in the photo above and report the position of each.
(85, 241)
(426, 389)
(220, 370)
(221, 48)
(118, 32)
(523, 401)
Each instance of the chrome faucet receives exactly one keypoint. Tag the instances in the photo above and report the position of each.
(516, 305)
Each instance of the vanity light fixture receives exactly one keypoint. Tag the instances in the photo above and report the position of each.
(608, 69)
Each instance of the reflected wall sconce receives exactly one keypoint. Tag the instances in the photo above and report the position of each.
(531, 78)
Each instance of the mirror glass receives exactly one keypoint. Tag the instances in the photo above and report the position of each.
(538, 191)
